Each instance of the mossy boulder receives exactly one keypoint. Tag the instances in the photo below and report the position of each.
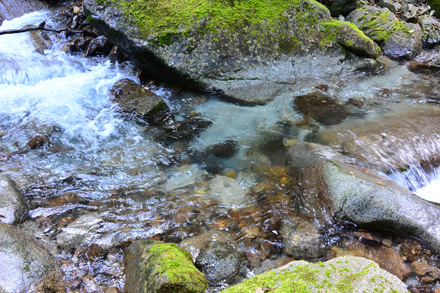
(153, 266)
(398, 39)
(342, 274)
(223, 46)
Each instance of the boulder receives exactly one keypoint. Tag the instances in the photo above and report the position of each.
(430, 29)
(398, 39)
(140, 103)
(215, 254)
(302, 239)
(153, 266)
(13, 208)
(10, 9)
(245, 50)
(25, 266)
(342, 274)
(367, 199)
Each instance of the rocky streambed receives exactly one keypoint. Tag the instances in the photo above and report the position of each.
(95, 155)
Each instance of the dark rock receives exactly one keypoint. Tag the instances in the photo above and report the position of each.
(38, 141)
(322, 108)
(219, 261)
(139, 102)
(210, 52)
(184, 130)
(398, 39)
(94, 252)
(342, 7)
(153, 266)
(25, 266)
(226, 149)
(195, 244)
(342, 274)
(301, 239)
(13, 208)
(98, 46)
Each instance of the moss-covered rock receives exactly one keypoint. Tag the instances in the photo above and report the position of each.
(343, 274)
(350, 37)
(398, 39)
(153, 266)
(216, 44)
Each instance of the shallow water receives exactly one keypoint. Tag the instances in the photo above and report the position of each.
(111, 180)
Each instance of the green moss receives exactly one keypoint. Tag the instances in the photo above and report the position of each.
(173, 262)
(168, 20)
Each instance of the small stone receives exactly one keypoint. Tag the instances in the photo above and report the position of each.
(322, 108)
(3, 133)
(411, 249)
(427, 272)
(95, 251)
(112, 290)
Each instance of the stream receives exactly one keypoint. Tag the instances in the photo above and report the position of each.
(92, 178)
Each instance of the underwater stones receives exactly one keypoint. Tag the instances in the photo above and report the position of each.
(184, 129)
(195, 244)
(427, 272)
(351, 38)
(301, 239)
(342, 274)
(25, 266)
(398, 39)
(13, 208)
(225, 149)
(153, 266)
(230, 192)
(322, 108)
(141, 103)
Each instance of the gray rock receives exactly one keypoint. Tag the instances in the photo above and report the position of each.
(82, 232)
(194, 244)
(247, 67)
(365, 198)
(398, 39)
(392, 5)
(342, 274)
(219, 261)
(10, 9)
(13, 208)
(153, 266)
(301, 239)
(25, 266)
(430, 29)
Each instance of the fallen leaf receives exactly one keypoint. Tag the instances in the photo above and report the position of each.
(380, 183)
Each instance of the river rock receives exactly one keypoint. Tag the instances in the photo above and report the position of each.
(427, 272)
(431, 30)
(301, 239)
(153, 266)
(143, 104)
(342, 274)
(10, 9)
(13, 208)
(392, 5)
(398, 39)
(249, 56)
(322, 108)
(195, 244)
(365, 198)
(25, 266)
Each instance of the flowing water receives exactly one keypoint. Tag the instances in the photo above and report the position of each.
(98, 178)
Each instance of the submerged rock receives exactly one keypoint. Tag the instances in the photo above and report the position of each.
(25, 266)
(153, 266)
(397, 39)
(243, 49)
(13, 208)
(322, 108)
(141, 103)
(342, 274)
(301, 239)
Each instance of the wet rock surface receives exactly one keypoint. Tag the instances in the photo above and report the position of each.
(25, 265)
(13, 208)
(154, 266)
(141, 103)
(10, 9)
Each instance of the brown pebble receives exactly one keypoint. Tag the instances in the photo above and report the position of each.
(357, 103)
(112, 290)
(3, 133)
(38, 141)
(322, 87)
(94, 251)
